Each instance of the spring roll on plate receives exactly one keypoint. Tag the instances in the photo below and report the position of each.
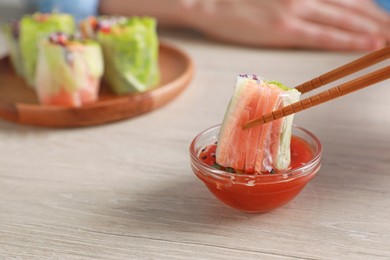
(68, 71)
(35, 28)
(130, 48)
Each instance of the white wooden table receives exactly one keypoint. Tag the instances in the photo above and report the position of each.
(126, 190)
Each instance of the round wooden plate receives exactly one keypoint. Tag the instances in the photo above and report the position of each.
(18, 103)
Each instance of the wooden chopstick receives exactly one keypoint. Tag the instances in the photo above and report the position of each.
(345, 70)
(338, 91)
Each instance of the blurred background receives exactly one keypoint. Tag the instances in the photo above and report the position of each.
(11, 10)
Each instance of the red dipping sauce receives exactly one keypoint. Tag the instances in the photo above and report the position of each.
(257, 192)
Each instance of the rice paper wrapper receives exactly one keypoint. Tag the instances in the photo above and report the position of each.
(69, 75)
(12, 42)
(131, 55)
(262, 148)
(34, 29)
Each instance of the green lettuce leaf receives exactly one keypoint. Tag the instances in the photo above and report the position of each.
(35, 28)
(131, 55)
(288, 97)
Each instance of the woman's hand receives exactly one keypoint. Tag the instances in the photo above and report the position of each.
(319, 24)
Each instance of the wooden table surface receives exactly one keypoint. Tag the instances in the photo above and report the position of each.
(126, 190)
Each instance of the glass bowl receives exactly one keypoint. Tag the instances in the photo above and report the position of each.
(255, 193)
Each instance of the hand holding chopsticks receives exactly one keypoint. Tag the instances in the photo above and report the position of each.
(338, 91)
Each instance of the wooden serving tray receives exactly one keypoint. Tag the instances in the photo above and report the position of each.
(18, 103)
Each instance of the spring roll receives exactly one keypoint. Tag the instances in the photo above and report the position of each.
(130, 49)
(263, 148)
(68, 71)
(35, 28)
